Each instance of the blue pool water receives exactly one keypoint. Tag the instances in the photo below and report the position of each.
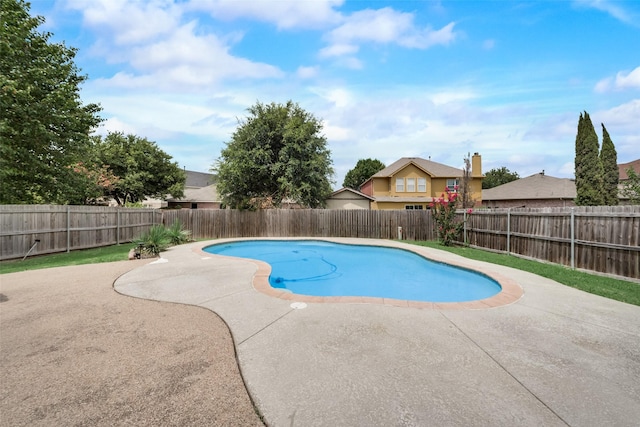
(311, 267)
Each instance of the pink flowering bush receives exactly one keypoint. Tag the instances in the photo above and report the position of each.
(443, 210)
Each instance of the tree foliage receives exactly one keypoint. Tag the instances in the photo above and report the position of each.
(588, 168)
(44, 128)
(363, 170)
(92, 182)
(464, 190)
(611, 174)
(140, 167)
(499, 176)
(276, 153)
(631, 187)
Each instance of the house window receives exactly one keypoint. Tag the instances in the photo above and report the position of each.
(411, 185)
(414, 207)
(422, 185)
(452, 184)
(399, 185)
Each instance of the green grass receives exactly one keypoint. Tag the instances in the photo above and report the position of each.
(619, 290)
(87, 256)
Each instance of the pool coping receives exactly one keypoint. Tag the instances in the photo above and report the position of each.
(510, 293)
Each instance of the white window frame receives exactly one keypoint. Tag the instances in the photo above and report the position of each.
(399, 185)
(411, 185)
(422, 185)
(414, 207)
(452, 184)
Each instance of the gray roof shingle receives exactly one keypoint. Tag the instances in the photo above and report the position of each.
(435, 169)
(538, 186)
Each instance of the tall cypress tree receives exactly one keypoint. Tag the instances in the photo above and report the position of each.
(588, 168)
(610, 176)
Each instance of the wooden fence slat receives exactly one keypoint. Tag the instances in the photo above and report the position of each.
(607, 239)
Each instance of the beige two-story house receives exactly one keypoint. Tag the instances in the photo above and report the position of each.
(413, 183)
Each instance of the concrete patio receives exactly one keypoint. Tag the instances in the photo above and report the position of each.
(555, 356)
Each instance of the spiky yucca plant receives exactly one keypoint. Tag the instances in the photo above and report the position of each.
(176, 234)
(154, 241)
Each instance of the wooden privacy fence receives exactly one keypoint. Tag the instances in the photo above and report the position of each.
(603, 238)
(380, 224)
(43, 229)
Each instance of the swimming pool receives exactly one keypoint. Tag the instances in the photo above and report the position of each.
(320, 268)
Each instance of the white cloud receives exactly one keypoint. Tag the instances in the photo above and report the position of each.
(488, 44)
(630, 80)
(307, 72)
(615, 9)
(604, 85)
(385, 26)
(129, 22)
(114, 124)
(186, 61)
(285, 14)
(338, 50)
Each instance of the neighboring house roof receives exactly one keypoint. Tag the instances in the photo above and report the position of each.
(538, 186)
(204, 194)
(350, 190)
(198, 179)
(434, 169)
(623, 167)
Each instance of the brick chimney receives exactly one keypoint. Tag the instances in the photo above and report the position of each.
(476, 165)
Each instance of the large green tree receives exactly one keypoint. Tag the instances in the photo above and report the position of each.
(498, 176)
(362, 171)
(140, 168)
(44, 127)
(588, 168)
(276, 153)
(611, 174)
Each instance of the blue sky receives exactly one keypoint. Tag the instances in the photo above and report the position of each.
(433, 79)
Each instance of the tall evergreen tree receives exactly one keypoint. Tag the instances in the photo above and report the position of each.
(611, 175)
(588, 168)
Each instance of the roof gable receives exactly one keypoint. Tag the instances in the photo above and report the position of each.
(433, 169)
(345, 190)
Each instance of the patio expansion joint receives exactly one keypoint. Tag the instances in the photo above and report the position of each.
(575, 319)
(264, 327)
(219, 297)
(505, 369)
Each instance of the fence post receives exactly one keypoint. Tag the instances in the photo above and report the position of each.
(464, 227)
(573, 242)
(68, 229)
(117, 225)
(509, 231)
